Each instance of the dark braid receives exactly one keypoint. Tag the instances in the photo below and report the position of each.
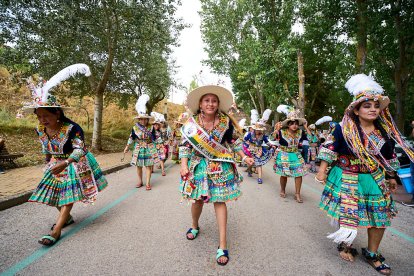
(358, 125)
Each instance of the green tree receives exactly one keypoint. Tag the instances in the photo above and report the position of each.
(125, 43)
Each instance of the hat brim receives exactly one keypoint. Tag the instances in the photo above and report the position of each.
(143, 117)
(31, 109)
(258, 128)
(300, 120)
(384, 101)
(225, 97)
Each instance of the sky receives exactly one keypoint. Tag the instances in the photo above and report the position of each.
(190, 53)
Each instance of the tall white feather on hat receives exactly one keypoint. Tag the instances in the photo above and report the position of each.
(40, 93)
(324, 119)
(266, 116)
(140, 106)
(63, 75)
(285, 109)
(242, 123)
(254, 116)
(361, 82)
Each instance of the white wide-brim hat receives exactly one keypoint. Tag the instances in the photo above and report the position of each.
(225, 97)
(31, 109)
(300, 120)
(259, 127)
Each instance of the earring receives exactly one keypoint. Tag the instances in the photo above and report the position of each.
(58, 121)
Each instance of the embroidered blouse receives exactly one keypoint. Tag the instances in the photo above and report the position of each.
(291, 142)
(67, 143)
(336, 150)
(140, 134)
(222, 133)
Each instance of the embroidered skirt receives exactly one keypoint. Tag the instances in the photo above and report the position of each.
(144, 155)
(217, 187)
(80, 181)
(290, 164)
(374, 210)
(262, 158)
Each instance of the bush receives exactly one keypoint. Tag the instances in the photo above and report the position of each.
(119, 134)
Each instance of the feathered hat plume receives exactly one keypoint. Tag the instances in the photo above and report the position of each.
(254, 116)
(140, 106)
(158, 117)
(361, 82)
(266, 116)
(242, 123)
(285, 109)
(324, 119)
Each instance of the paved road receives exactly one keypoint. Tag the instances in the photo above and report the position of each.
(136, 232)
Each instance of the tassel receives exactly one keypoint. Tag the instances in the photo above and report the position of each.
(344, 235)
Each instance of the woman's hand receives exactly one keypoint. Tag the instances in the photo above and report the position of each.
(321, 177)
(184, 169)
(126, 149)
(392, 184)
(249, 161)
(59, 167)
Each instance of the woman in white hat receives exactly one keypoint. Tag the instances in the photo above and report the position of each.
(255, 141)
(144, 153)
(358, 188)
(159, 139)
(176, 136)
(208, 170)
(71, 173)
(289, 162)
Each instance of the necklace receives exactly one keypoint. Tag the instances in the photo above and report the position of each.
(210, 132)
(53, 135)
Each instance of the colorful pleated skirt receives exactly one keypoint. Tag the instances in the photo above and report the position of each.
(290, 164)
(217, 187)
(144, 155)
(80, 181)
(262, 158)
(374, 209)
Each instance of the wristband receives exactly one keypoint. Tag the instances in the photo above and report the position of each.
(244, 158)
(67, 162)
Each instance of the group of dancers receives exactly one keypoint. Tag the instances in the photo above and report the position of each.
(357, 169)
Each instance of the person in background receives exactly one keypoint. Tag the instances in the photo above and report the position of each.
(144, 153)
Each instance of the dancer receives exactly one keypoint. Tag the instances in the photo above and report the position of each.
(208, 170)
(256, 148)
(289, 162)
(176, 136)
(159, 139)
(359, 185)
(71, 173)
(254, 117)
(236, 135)
(144, 153)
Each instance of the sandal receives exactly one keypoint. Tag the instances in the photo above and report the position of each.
(222, 253)
(163, 173)
(249, 174)
(49, 238)
(298, 199)
(259, 181)
(342, 247)
(69, 222)
(194, 232)
(372, 258)
(148, 188)
(139, 185)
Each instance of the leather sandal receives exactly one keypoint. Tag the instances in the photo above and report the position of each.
(193, 232)
(222, 253)
(373, 257)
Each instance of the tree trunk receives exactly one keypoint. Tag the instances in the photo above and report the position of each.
(97, 122)
(361, 36)
(402, 73)
(113, 28)
(301, 76)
